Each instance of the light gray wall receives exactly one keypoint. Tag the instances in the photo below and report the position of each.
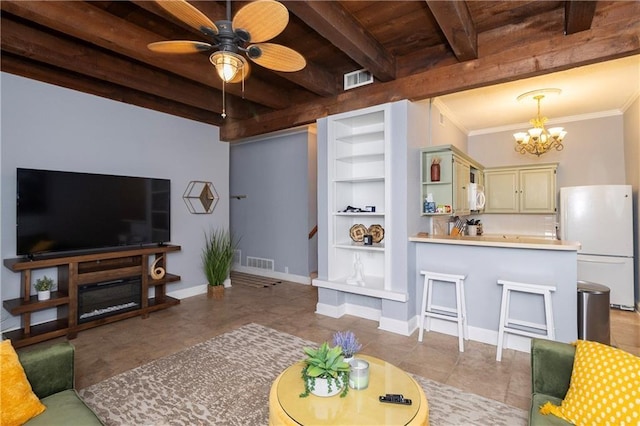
(48, 127)
(312, 189)
(632, 163)
(273, 219)
(593, 152)
(444, 131)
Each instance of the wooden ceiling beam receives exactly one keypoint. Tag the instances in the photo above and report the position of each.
(455, 22)
(70, 17)
(334, 23)
(425, 59)
(578, 15)
(315, 79)
(45, 48)
(609, 41)
(64, 78)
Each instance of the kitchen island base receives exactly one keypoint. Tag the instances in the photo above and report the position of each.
(484, 263)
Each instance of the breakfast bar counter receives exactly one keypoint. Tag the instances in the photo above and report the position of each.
(486, 259)
(499, 240)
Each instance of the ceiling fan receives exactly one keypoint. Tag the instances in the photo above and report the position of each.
(251, 27)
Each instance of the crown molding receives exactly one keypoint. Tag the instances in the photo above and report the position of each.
(557, 120)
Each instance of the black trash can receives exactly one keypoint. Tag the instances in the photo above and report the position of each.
(593, 312)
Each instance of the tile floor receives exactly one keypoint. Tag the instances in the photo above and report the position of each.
(114, 348)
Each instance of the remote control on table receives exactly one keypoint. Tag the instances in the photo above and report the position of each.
(394, 398)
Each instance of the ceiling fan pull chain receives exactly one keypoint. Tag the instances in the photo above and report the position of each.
(224, 102)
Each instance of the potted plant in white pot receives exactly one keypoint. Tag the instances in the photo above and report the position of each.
(43, 287)
(217, 256)
(325, 373)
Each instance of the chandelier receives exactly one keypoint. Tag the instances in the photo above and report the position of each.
(538, 139)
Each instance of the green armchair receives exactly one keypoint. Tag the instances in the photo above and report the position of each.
(551, 368)
(50, 372)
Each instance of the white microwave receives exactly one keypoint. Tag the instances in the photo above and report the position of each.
(476, 197)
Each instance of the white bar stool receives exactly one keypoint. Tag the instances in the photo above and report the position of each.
(514, 326)
(429, 310)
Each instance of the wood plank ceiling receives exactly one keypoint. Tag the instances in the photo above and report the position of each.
(414, 49)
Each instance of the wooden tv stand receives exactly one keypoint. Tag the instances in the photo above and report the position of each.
(79, 270)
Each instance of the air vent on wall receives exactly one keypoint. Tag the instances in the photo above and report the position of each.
(260, 263)
(357, 79)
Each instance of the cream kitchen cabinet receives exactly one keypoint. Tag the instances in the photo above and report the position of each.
(462, 171)
(523, 189)
(456, 169)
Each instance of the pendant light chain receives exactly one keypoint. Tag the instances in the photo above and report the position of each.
(224, 101)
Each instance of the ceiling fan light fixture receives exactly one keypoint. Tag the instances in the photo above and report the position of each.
(227, 64)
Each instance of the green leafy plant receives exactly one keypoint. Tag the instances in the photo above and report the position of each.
(328, 363)
(43, 284)
(217, 255)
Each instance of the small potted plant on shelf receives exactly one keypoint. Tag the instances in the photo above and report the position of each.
(217, 256)
(325, 373)
(43, 287)
(347, 341)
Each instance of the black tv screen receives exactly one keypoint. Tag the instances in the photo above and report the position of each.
(68, 211)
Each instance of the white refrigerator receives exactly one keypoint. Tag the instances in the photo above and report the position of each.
(600, 217)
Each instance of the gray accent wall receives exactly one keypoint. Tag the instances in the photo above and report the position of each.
(49, 127)
(274, 220)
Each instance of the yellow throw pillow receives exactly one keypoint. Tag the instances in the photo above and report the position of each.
(604, 387)
(17, 400)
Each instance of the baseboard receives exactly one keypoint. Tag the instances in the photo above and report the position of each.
(300, 279)
(330, 310)
(348, 309)
(482, 335)
(188, 292)
(405, 328)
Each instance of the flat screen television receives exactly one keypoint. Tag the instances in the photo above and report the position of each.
(61, 211)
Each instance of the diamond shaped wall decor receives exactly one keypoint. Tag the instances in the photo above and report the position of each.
(200, 197)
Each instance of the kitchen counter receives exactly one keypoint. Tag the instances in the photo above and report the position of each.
(486, 259)
(508, 241)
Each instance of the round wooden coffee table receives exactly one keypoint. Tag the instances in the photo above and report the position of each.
(359, 407)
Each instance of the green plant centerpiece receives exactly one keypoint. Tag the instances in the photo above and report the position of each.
(325, 363)
(217, 256)
(43, 284)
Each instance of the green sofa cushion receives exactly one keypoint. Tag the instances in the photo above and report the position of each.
(537, 419)
(65, 409)
(551, 367)
(49, 370)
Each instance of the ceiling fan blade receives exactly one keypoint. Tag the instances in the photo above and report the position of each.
(179, 46)
(240, 76)
(276, 57)
(262, 19)
(189, 15)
